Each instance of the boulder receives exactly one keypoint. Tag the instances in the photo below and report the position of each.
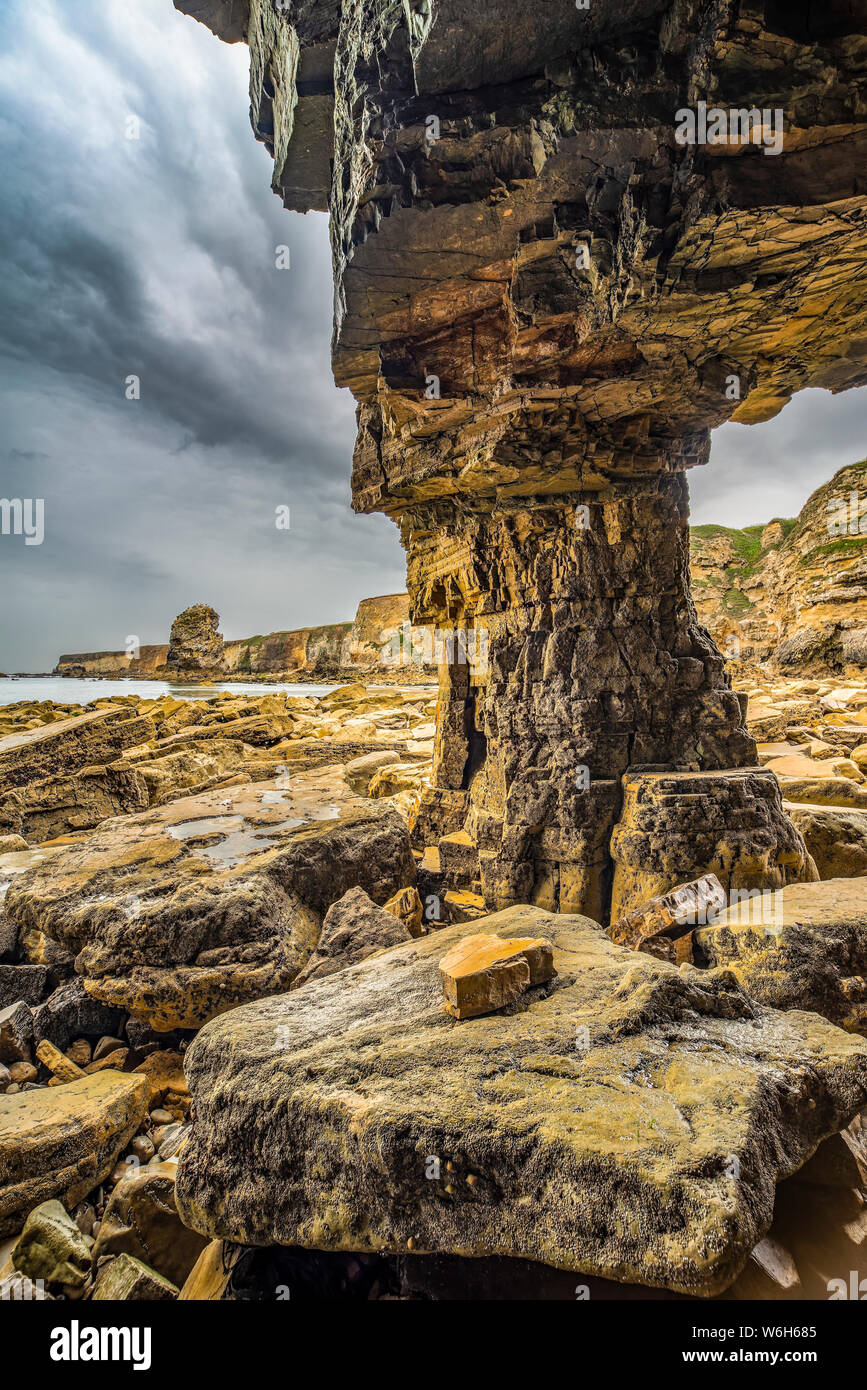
(595, 1128)
(141, 1219)
(52, 1248)
(354, 928)
(483, 973)
(678, 826)
(127, 1279)
(835, 836)
(825, 791)
(8, 939)
(63, 805)
(28, 982)
(359, 771)
(61, 1142)
(190, 909)
(16, 1033)
(408, 907)
(802, 948)
(71, 1012)
(55, 750)
(657, 924)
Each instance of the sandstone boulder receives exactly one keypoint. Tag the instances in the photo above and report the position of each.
(62, 1142)
(52, 1248)
(835, 836)
(593, 1129)
(192, 908)
(802, 948)
(141, 1219)
(354, 928)
(128, 1279)
(676, 826)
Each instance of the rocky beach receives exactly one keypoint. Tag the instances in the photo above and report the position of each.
(507, 941)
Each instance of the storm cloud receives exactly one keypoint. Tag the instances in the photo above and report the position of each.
(139, 239)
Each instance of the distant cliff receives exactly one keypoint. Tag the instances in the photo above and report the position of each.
(149, 663)
(333, 650)
(792, 592)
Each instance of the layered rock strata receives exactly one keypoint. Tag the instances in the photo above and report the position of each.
(546, 295)
(792, 592)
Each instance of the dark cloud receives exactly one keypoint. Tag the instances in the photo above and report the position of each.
(156, 257)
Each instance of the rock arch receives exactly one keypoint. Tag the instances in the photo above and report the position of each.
(544, 302)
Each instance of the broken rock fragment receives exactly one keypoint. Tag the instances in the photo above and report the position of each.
(63, 1141)
(484, 973)
(657, 925)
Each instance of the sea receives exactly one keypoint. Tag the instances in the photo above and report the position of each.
(65, 690)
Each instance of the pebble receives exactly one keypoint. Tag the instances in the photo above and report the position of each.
(84, 1217)
(105, 1046)
(161, 1117)
(143, 1148)
(79, 1052)
(22, 1071)
(5, 1077)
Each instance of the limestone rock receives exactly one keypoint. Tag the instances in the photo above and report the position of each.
(484, 973)
(195, 644)
(359, 771)
(16, 1033)
(52, 1248)
(407, 906)
(29, 983)
(62, 1142)
(592, 1130)
(542, 313)
(58, 749)
(128, 1279)
(62, 805)
(57, 1063)
(354, 928)
(835, 837)
(798, 949)
(70, 1012)
(676, 825)
(656, 925)
(192, 908)
(141, 1219)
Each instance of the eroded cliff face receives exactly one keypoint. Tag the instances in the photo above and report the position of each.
(544, 301)
(793, 592)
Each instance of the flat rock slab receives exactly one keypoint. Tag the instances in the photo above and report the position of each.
(627, 1119)
(802, 948)
(99, 736)
(61, 1142)
(484, 973)
(188, 909)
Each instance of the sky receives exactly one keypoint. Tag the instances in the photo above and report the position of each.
(155, 257)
